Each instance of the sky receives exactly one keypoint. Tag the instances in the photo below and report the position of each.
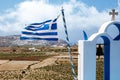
(87, 15)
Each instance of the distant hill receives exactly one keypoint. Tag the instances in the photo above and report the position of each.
(14, 40)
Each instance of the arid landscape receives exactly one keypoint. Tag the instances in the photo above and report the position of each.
(43, 63)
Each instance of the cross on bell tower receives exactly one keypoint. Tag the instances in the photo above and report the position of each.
(113, 13)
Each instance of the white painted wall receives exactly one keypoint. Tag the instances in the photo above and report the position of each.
(87, 55)
(87, 61)
(115, 61)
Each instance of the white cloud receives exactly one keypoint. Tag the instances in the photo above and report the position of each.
(77, 14)
(26, 12)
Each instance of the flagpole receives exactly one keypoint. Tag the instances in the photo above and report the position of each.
(68, 45)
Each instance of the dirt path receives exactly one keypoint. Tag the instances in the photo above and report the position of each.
(19, 65)
(50, 61)
(16, 65)
(45, 62)
(3, 61)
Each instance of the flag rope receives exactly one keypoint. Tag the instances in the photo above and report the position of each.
(68, 45)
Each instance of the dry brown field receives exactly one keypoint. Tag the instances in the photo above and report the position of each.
(48, 63)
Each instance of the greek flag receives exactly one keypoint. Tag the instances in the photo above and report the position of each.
(46, 30)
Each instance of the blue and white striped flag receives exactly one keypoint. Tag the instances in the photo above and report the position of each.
(46, 30)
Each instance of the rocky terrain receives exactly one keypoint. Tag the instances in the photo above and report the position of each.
(53, 68)
(14, 40)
